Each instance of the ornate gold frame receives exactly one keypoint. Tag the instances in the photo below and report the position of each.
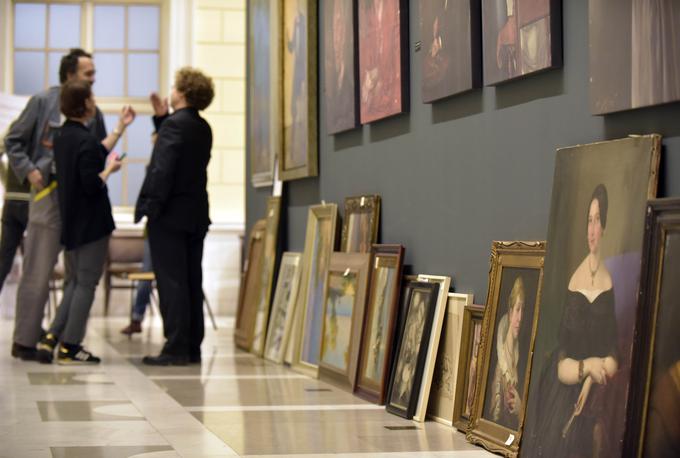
(362, 204)
(517, 254)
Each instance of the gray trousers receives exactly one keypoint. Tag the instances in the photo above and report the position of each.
(41, 251)
(85, 265)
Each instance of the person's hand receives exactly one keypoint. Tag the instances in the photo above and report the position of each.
(113, 163)
(595, 368)
(160, 106)
(583, 396)
(127, 115)
(36, 179)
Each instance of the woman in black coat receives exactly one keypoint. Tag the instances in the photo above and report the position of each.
(174, 199)
(87, 222)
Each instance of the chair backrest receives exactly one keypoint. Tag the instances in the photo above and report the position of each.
(126, 248)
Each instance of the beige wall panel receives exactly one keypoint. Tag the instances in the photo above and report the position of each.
(234, 26)
(228, 130)
(222, 60)
(233, 167)
(226, 4)
(235, 99)
(208, 26)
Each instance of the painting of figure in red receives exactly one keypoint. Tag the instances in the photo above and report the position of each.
(383, 58)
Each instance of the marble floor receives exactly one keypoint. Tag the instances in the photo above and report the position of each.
(232, 404)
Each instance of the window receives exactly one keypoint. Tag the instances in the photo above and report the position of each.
(126, 39)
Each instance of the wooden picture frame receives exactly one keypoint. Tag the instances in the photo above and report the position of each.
(468, 362)
(268, 269)
(346, 286)
(651, 427)
(592, 273)
(299, 155)
(264, 89)
(510, 318)
(443, 388)
(283, 307)
(420, 303)
(247, 307)
(433, 345)
(382, 309)
(360, 227)
(320, 241)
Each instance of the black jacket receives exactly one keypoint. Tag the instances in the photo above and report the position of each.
(83, 196)
(174, 190)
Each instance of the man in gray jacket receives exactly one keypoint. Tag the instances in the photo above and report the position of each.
(29, 148)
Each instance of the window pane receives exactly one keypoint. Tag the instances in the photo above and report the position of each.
(111, 121)
(139, 137)
(136, 173)
(29, 25)
(109, 27)
(53, 61)
(29, 72)
(64, 26)
(109, 82)
(142, 74)
(143, 27)
(115, 186)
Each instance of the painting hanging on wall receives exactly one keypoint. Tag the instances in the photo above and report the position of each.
(451, 47)
(520, 37)
(634, 54)
(580, 372)
(508, 333)
(383, 58)
(300, 149)
(264, 89)
(653, 428)
(341, 65)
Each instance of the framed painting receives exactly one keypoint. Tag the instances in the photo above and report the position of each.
(380, 322)
(343, 317)
(411, 349)
(655, 392)
(341, 65)
(520, 37)
(451, 50)
(443, 388)
(268, 267)
(581, 369)
(433, 345)
(360, 228)
(468, 365)
(264, 89)
(634, 54)
(283, 307)
(383, 58)
(250, 287)
(319, 244)
(508, 333)
(300, 148)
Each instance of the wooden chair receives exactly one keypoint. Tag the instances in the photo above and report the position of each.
(126, 251)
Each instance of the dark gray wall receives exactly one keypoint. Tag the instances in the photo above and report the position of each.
(456, 175)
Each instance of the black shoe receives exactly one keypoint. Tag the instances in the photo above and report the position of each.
(165, 360)
(75, 354)
(24, 353)
(46, 348)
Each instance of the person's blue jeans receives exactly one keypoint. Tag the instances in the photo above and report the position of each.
(143, 296)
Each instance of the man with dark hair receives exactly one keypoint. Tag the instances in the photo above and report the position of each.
(29, 147)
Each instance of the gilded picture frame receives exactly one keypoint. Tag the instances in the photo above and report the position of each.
(360, 226)
(443, 388)
(320, 240)
(264, 89)
(283, 307)
(299, 156)
(468, 363)
(343, 318)
(250, 287)
(433, 346)
(420, 303)
(268, 269)
(651, 428)
(382, 309)
(508, 333)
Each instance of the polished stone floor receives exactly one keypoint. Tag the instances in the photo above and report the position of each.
(231, 404)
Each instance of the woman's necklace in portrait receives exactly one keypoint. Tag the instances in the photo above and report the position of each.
(593, 272)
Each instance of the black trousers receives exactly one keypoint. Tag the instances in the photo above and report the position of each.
(176, 257)
(14, 221)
